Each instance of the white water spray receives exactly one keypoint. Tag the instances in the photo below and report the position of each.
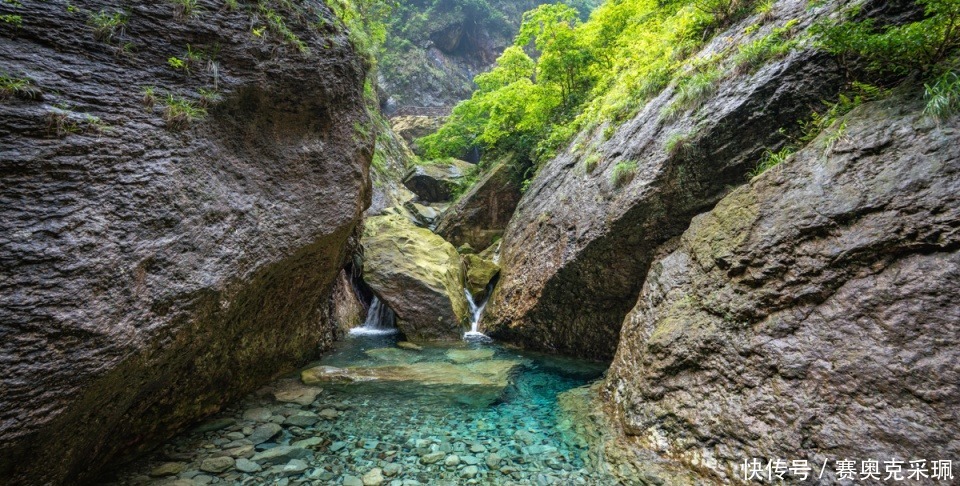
(380, 320)
(476, 312)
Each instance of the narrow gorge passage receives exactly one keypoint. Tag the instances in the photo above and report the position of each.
(479, 242)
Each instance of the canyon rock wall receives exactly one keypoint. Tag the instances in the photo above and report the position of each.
(154, 263)
(811, 314)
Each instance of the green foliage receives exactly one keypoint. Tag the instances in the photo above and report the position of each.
(278, 26)
(180, 112)
(623, 173)
(772, 159)
(178, 64)
(209, 97)
(231, 5)
(927, 46)
(772, 46)
(149, 98)
(943, 96)
(692, 92)
(18, 87)
(14, 20)
(724, 12)
(108, 25)
(186, 8)
(591, 162)
(680, 144)
(366, 22)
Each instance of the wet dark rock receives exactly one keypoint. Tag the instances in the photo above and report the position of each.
(280, 455)
(151, 273)
(480, 216)
(814, 311)
(216, 464)
(435, 182)
(577, 251)
(264, 433)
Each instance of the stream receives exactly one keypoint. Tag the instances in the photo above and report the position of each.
(464, 413)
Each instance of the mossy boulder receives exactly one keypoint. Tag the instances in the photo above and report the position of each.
(480, 272)
(419, 275)
(481, 215)
(436, 181)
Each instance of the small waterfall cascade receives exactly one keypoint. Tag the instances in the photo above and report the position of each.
(476, 311)
(380, 320)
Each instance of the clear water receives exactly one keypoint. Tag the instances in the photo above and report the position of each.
(385, 424)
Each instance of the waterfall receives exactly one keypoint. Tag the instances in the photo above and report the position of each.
(380, 320)
(476, 311)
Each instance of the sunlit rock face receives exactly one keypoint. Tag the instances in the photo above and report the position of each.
(812, 314)
(155, 267)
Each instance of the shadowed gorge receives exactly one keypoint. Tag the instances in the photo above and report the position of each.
(479, 242)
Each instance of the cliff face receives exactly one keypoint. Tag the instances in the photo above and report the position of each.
(154, 269)
(576, 252)
(812, 314)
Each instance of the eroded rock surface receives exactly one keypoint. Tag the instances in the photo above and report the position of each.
(481, 215)
(436, 181)
(418, 275)
(577, 251)
(152, 274)
(812, 314)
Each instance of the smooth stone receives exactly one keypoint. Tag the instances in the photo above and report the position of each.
(352, 481)
(451, 460)
(258, 414)
(214, 425)
(297, 393)
(168, 469)
(470, 460)
(235, 435)
(469, 472)
(246, 465)
(336, 446)
(493, 460)
(329, 414)
(242, 451)
(392, 469)
(422, 443)
(216, 464)
(280, 455)
(202, 479)
(373, 478)
(308, 443)
(302, 419)
(324, 374)
(461, 356)
(264, 433)
(294, 467)
(410, 346)
(477, 448)
(432, 457)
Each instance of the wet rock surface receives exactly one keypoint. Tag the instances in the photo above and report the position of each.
(480, 215)
(577, 251)
(153, 272)
(813, 311)
(418, 275)
(399, 433)
(436, 181)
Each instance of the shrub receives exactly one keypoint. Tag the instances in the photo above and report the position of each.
(180, 112)
(772, 159)
(591, 162)
(19, 87)
(186, 8)
(623, 173)
(681, 144)
(149, 97)
(772, 46)
(943, 96)
(108, 25)
(14, 20)
(209, 97)
(692, 92)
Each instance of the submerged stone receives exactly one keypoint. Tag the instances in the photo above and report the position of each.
(468, 355)
(280, 455)
(324, 374)
(216, 464)
(168, 469)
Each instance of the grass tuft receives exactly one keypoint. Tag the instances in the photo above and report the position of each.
(943, 96)
(179, 112)
(623, 173)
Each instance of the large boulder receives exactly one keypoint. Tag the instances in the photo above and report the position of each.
(412, 127)
(154, 270)
(480, 271)
(577, 251)
(436, 181)
(812, 314)
(480, 216)
(418, 275)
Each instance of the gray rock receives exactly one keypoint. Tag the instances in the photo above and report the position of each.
(348, 480)
(434, 182)
(295, 467)
(392, 469)
(216, 464)
(280, 455)
(451, 460)
(329, 414)
(431, 458)
(373, 478)
(481, 215)
(336, 446)
(308, 443)
(168, 469)
(246, 465)
(302, 419)
(258, 414)
(264, 433)
(806, 302)
(493, 460)
(136, 230)
(469, 472)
